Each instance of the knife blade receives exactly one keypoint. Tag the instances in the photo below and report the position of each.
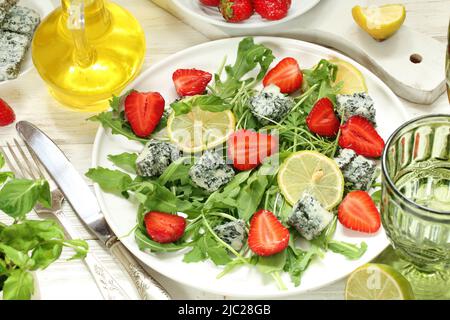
(85, 205)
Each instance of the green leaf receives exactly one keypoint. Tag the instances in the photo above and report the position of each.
(145, 243)
(18, 286)
(209, 103)
(216, 252)
(45, 254)
(298, 261)
(117, 125)
(113, 181)
(197, 254)
(251, 195)
(2, 160)
(125, 161)
(19, 258)
(177, 170)
(351, 251)
(18, 197)
(376, 197)
(5, 176)
(274, 263)
(80, 247)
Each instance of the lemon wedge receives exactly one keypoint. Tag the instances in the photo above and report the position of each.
(200, 130)
(380, 22)
(351, 77)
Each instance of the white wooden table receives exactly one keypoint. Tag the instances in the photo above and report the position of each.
(165, 35)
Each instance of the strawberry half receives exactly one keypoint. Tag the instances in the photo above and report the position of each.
(322, 120)
(164, 227)
(190, 82)
(286, 75)
(267, 235)
(144, 111)
(248, 148)
(272, 9)
(359, 135)
(7, 115)
(236, 10)
(358, 212)
(212, 3)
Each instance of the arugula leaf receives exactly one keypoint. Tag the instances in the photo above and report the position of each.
(18, 197)
(351, 251)
(18, 286)
(145, 243)
(297, 262)
(113, 181)
(249, 56)
(209, 103)
(274, 263)
(197, 254)
(206, 247)
(125, 161)
(251, 195)
(117, 125)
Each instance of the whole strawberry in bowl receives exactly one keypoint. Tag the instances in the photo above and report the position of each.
(236, 10)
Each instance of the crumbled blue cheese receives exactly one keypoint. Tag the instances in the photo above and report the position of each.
(5, 6)
(155, 158)
(357, 104)
(270, 105)
(13, 47)
(357, 170)
(232, 233)
(308, 217)
(210, 172)
(21, 20)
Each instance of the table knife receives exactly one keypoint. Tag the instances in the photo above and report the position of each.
(85, 205)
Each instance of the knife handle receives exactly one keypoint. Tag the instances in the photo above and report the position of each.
(147, 287)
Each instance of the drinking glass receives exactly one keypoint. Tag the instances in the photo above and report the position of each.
(415, 204)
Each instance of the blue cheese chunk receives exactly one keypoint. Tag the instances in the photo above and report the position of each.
(357, 170)
(232, 233)
(270, 105)
(21, 20)
(155, 158)
(210, 172)
(5, 6)
(13, 47)
(308, 217)
(357, 104)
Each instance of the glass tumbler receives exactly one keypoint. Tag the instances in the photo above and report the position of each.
(415, 204)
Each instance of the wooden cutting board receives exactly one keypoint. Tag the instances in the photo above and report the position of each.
(330, 24)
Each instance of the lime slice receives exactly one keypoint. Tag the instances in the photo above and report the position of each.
(313, 172)
(377, 282)
(200, 130)
(380, 22)
(351, 77)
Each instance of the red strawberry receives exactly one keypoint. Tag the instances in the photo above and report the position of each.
(164, 227)
(359, 135)
(267, 235)
(190, 82)
(248, 148)
(322, 119)
(286, 75)
(358, 212)
(236, 10)
(7, 115)
(272, 9)
(144, 111)
(213, 3)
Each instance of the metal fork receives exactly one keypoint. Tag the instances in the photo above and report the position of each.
(29, 167)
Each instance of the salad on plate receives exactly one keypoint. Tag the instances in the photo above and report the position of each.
(253, 165)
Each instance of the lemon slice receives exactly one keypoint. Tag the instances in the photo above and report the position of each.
(313, 172)
(200, 130)
(351, 77)
(380, 22)
(377, 282)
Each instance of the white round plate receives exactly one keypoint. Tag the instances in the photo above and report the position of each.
(43, 7)
(245, 281)
(212, 15)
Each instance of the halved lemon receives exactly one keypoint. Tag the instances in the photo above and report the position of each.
(351, 77)
(377, 282)
(312, 172)
(380, 22)
(200, 130)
